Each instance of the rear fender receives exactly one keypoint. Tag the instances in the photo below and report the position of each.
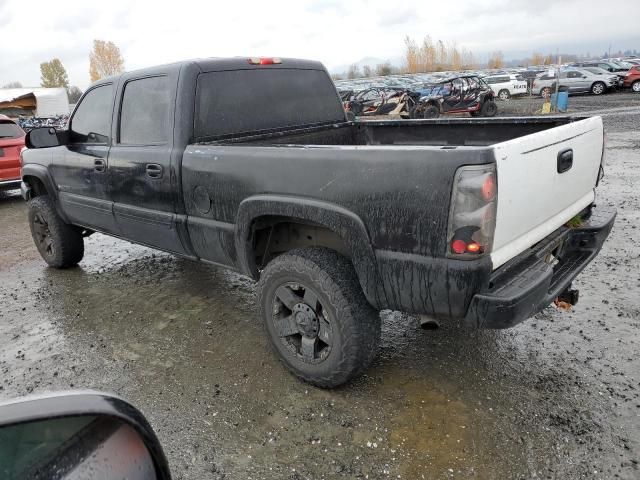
(343, 222)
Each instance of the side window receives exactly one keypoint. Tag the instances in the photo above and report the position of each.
(144, 115)
(91, 120)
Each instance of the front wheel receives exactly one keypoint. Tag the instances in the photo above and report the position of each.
(431, 111)
(61, 245)
(489, 109)
(635, 86)
(317, 317)
(598, 88)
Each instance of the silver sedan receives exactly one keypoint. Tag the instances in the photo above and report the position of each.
(576, 80)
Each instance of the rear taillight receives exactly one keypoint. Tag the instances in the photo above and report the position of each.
(472, 218)
(264, 61)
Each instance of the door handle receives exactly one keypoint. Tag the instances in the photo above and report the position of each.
(154, 170)
(98, 165)
(565, 160)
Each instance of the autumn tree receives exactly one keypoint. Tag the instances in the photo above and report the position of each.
(53, 74)
(12, 85)
(105, 59)
(74, 94)
(536, 59)
(496, 60)
(411, 54)
(383, 69)
(353, 72)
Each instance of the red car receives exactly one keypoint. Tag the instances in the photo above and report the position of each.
(632, 80)
(11, 144)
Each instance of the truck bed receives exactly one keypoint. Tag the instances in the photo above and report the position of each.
(439, 132)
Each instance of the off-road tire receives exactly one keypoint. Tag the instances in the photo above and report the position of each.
(431, 111)
(504, 94)
(65, 241)
(635, 86)
(598, 88)
(489, 109)
(355, 323)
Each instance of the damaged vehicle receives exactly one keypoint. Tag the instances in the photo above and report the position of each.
(382, 101)
(463, 94)
(252, 164)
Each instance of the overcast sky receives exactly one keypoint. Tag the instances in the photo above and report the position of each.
(337, 32)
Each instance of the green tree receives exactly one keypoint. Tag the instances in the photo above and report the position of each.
(53, 74)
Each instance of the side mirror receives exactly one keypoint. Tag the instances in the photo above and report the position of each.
(584, 76)
(78, 435)
(45, 137)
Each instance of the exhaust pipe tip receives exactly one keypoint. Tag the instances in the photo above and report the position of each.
(428, 323)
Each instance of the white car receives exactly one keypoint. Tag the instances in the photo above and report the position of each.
(507, 85)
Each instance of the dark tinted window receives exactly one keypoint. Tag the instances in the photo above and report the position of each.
(92, 119)
(10, 130)
(260, 99)
(145, 111)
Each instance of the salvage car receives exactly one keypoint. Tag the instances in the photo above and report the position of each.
(11, 144)
(574, 80)
(506, 86)
(461, 94)
(632, 79)
(253, 165)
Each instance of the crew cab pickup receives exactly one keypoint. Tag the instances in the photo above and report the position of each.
(253, 165)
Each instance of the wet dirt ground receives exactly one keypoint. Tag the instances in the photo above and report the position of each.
(555, 397)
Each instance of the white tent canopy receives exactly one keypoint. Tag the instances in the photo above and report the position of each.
(44, 102)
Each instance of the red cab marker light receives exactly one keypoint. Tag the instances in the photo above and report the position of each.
(458, 246)
(264, 61)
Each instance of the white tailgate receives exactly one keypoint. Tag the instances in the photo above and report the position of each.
(533, 198)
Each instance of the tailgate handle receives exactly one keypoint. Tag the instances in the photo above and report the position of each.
(565, 160)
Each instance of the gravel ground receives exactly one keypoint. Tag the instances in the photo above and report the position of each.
(555, 397)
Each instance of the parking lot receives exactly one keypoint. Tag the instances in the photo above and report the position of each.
(555, 397)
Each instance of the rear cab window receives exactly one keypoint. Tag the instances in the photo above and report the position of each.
(9, 129)
(144, 114)
(245, 101)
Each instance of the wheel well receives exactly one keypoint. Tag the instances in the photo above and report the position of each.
(273, 236)
(38, 187)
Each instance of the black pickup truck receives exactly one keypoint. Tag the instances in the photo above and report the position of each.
(253, 165)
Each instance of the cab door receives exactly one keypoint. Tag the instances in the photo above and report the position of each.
(80, 169)
(143, 182)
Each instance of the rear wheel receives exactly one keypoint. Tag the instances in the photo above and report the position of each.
(317, 317)
(61, 245)
(431, 111)
(489, 109)
(598, 88)
(504, 94)
(545, 92)
(635, 86)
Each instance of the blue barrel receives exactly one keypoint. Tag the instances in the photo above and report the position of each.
(560, 100)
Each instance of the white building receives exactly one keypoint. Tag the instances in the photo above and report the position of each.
(38, 102)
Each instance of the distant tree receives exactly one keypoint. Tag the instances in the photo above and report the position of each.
(105, 59)
(12, 85)
(383, 69)
(353, 72)
(53, 74)
(496, 60)
(74, 94)
(366, 71)
(411, 54)
(536, 59)
(337, 76)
